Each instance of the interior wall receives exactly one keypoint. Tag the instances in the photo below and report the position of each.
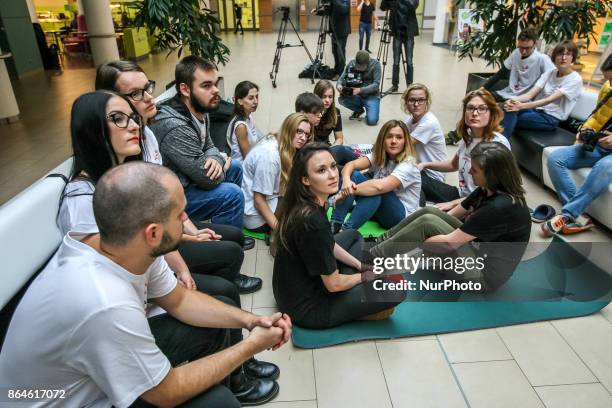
(20, 37)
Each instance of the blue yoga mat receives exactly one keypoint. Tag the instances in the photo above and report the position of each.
(531, 280)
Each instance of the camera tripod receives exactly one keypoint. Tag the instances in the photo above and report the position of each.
(383, 52)
(280, 43)
(320, 53)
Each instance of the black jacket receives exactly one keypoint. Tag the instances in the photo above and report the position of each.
(402, 17)
(340, 18)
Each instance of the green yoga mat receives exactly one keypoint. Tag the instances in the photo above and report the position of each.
(370, 229)
(531, 280)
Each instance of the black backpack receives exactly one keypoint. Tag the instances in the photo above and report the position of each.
(219, 119)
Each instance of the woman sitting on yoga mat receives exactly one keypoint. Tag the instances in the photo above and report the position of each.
(391, 191)
(331, 121)
(266, 170)
(495, 212)
(319, 282)
(480, 123)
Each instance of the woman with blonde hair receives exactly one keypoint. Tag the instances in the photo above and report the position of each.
(392, 188)
(266, 171)
(480, 122)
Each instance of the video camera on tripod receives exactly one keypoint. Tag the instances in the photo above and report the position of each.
(285, 10)
(323, 8)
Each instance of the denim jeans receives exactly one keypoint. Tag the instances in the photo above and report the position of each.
(528, 119)
(343, 154)
(408, 44)
(576, 200)
(357, 102)
(385, 208)
(223, 204)
(365, 28)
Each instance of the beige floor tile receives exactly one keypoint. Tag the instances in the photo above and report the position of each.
(607, 312)
(415, 338)
(418, 375)
(292, 404)
(476, 345)
(499, 384)
(350, 376)
(591, 338)
(264, 297)
(297, 379)
(544, 356)
(575, 396)
(249, 264)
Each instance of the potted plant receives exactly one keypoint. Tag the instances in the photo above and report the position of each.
(502, 20)
(177, 24)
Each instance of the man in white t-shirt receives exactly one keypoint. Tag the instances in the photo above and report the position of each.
(551, 99)
(82, 328)
(522, 68)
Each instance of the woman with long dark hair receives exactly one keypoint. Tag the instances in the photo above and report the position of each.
(495, 212)
(318, 280)
(241, 131)
(479, 122)
(106, 131)
(391, 190)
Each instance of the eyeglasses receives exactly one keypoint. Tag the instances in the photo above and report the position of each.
(138, 94)
(415, 101)
(301, 132)
(122, 120)
(319, 114)
(480, 109)
(527, 48)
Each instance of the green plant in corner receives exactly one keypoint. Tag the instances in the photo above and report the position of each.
(177, 24)
(555, 21)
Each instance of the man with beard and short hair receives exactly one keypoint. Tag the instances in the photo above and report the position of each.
(212, 182)
(82, 325)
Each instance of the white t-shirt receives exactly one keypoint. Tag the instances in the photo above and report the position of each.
(152, 147)
(466, 182)
(261, 172)
(81, 327)
(232, 139)
(76, 209)
(409, 176)
(431, 146)
(524, 72)
(570, 85)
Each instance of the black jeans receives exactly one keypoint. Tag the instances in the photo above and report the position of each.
(181, 343)
(437, 191)
(408, 44)
(339, 53)
(361, 300)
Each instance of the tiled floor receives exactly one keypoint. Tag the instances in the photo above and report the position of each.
(564, 363)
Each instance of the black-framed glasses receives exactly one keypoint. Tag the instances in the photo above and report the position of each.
(138, 94)
(416, 101)
(302, 132)
(122, 120)
(480, 109)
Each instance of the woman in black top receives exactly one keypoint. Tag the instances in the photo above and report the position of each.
(493, 219)
(317, 281)
(366, 11)
(331, 121)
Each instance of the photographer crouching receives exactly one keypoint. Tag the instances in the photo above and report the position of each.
(358, 86)
(592, 149)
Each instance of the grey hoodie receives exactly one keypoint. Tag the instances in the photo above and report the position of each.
(183, 148)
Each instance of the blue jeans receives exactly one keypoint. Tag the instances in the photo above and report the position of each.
(357, 102)
(365, 28)
(343, 154)
(528, 119)
(576, 200)
(223, 204)
(385, 208)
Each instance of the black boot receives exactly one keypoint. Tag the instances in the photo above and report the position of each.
(247, 284)
(261, 369)
(252, 391)
(395, 78)
(409, 75)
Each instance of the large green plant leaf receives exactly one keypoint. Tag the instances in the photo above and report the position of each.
(178, 24)
(502, 20)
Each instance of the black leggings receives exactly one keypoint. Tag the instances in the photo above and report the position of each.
(359, 301)
(437, 191)
(219, 258)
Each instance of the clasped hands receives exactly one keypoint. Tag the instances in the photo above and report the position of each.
(270, 331)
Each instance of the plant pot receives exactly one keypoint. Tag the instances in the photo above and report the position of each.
(477, 79)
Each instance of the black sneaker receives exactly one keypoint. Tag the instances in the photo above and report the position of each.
(355, 115)
(394, 88)
(249, 243)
